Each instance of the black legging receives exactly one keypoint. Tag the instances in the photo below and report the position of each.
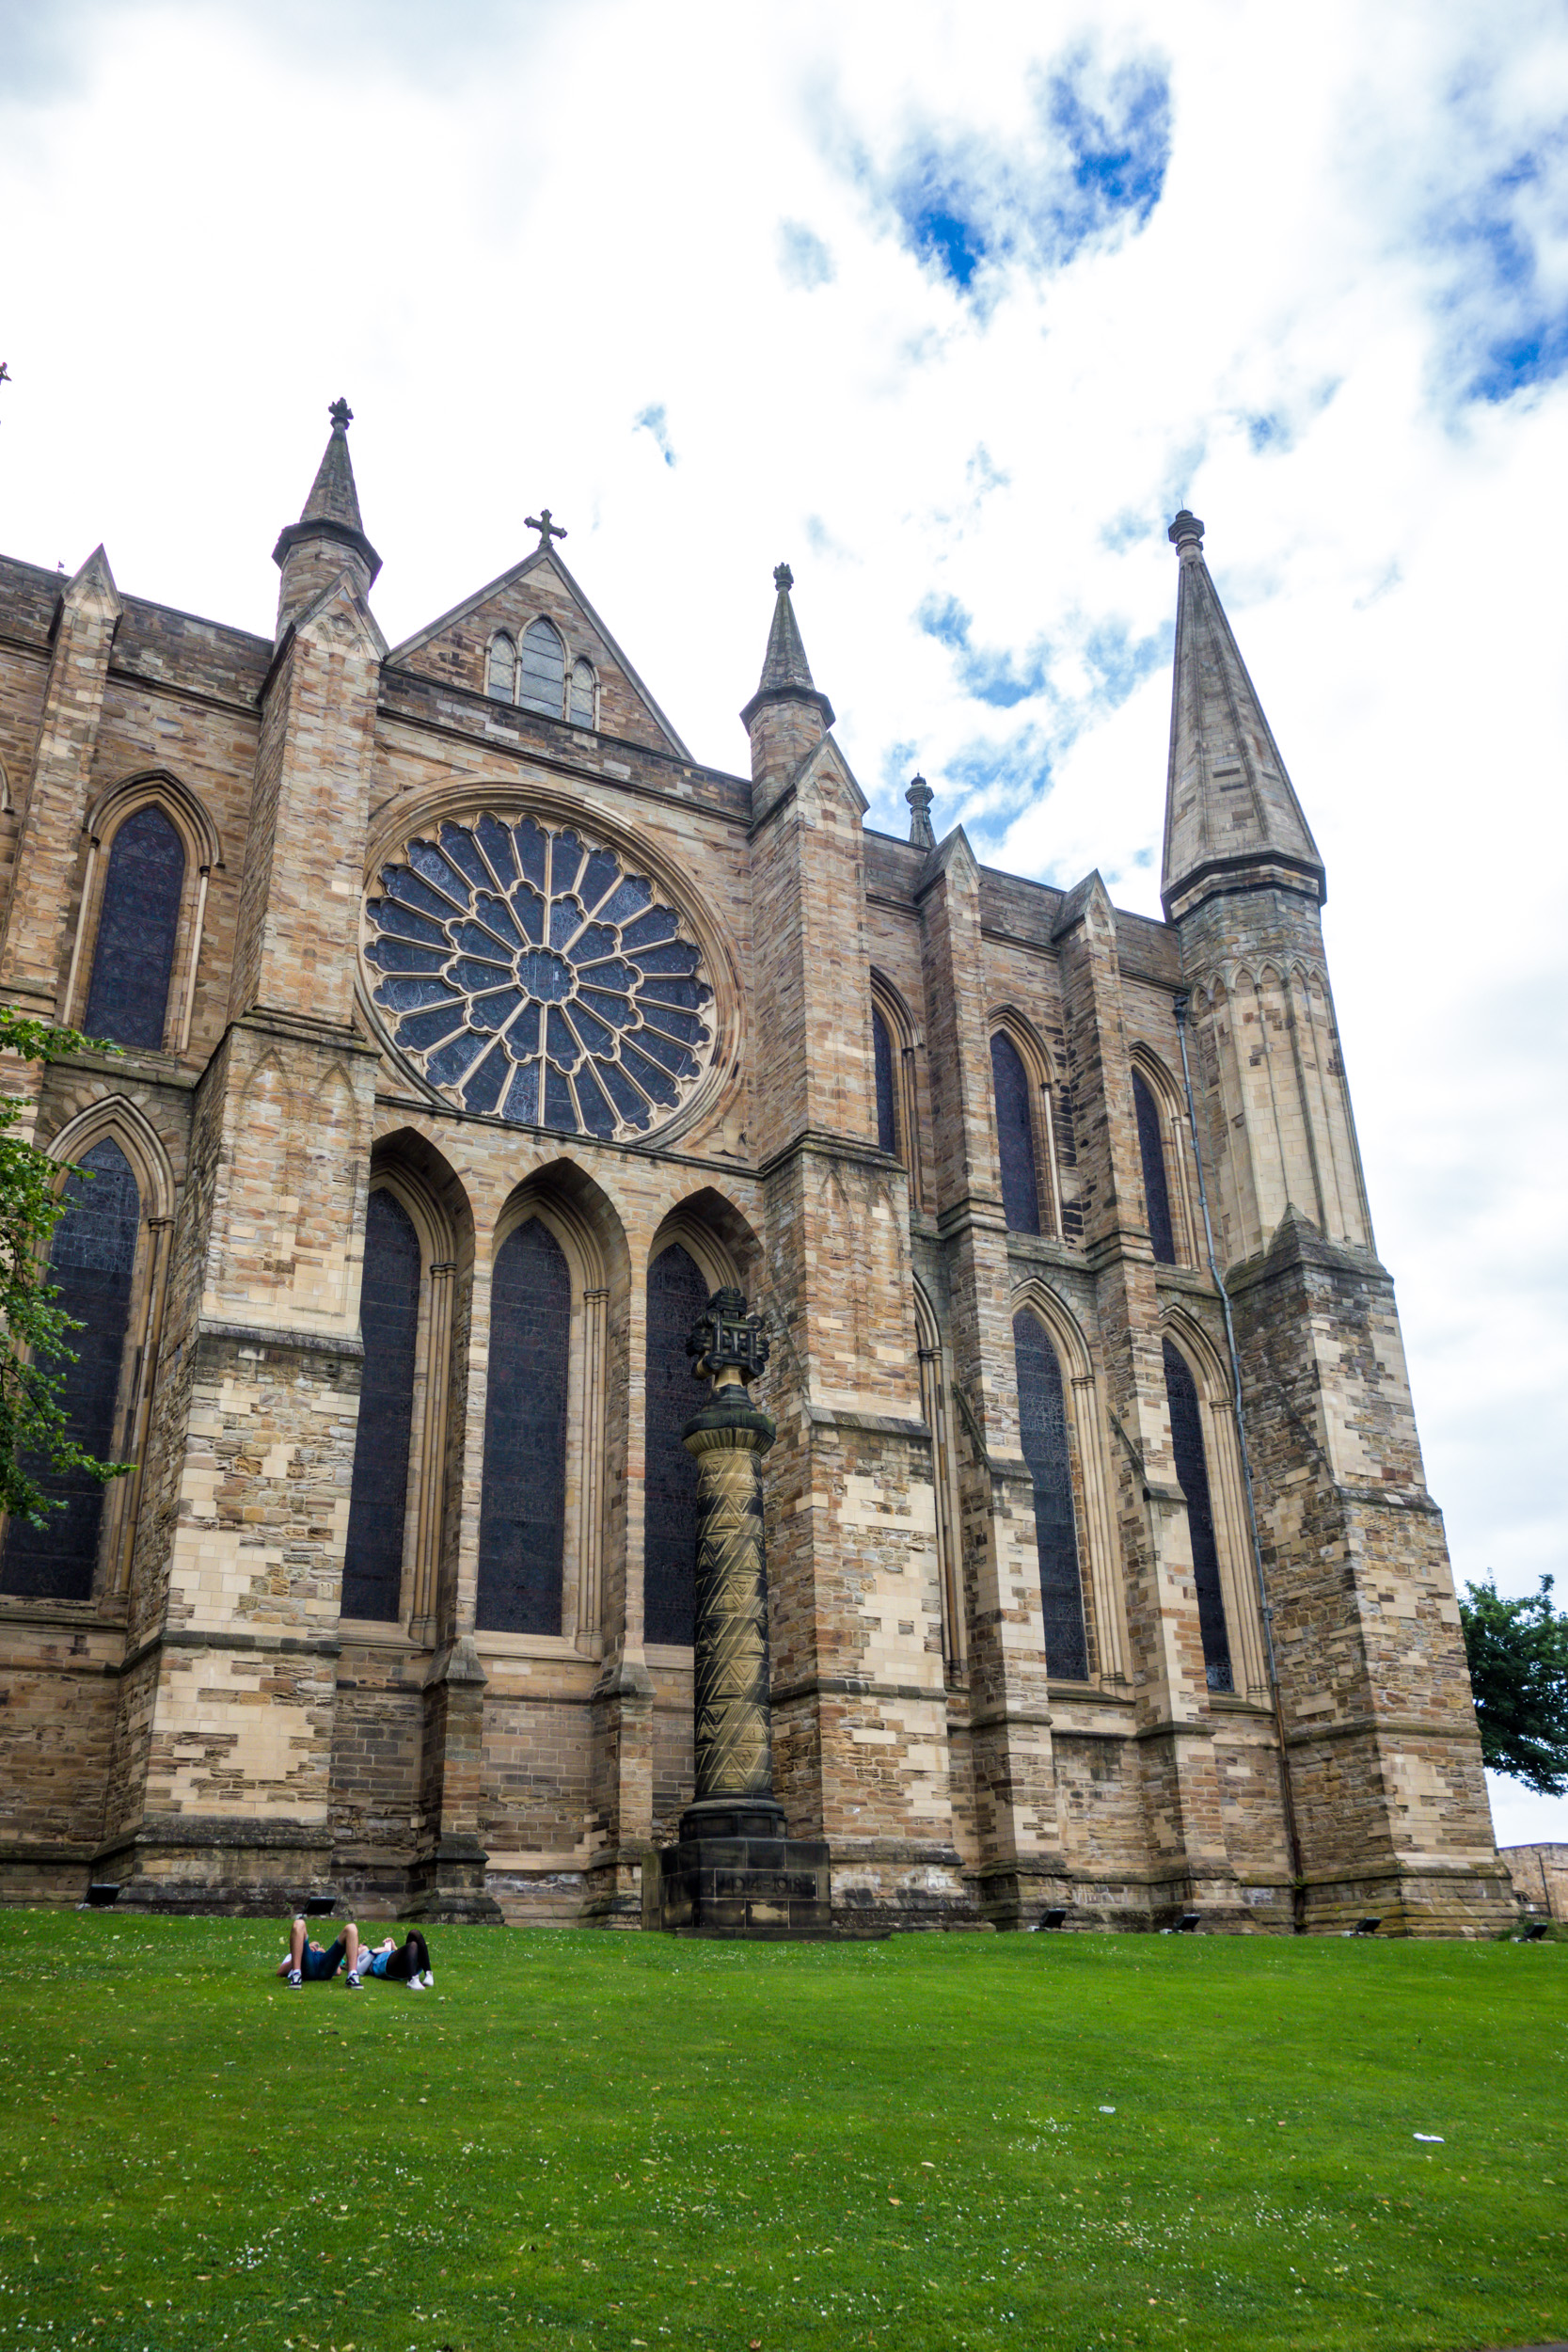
(411, 1959)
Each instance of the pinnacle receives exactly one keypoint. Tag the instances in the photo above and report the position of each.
(785, 671)
(1231, 814)
(333, 496)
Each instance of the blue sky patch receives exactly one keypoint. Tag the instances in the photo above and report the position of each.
(804, 260)
(1501, 243)
(652, 419)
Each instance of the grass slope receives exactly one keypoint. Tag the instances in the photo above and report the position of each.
(600, 2140)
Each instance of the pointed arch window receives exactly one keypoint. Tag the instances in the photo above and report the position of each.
(1151, 1151)
(579, 709)
(1014, 1137)
(541, 669)
(522, 1525)
(92, 1264)
(137, 925)
(887, 1085)
(378, 1499)
(501, 669)
(1192, 1472)
(1042, 1431)
(678, 1294)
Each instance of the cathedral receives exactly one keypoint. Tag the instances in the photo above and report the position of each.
(469, 1034)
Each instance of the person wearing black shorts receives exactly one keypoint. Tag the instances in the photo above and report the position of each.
(306, 1964)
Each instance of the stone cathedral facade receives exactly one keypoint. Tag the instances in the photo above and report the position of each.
(472, 1033)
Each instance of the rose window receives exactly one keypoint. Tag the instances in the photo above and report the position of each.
(530, 976)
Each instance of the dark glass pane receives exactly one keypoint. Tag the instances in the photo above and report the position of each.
(676, 1296)
(1042, 1431)
(1156, 1191)
(881, 1044)
(90, 1261)
(1015, 1135)
(1192, 1472)
(128, 996)
(378, 1499)
(522, 1519)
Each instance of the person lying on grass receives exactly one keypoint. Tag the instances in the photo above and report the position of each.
(306, 1964)
(401, 1964)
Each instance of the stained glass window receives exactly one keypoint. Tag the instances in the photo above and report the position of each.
(676, 1296)
(388, 1324)
(1156, 1189)
(501, 675)
(91, 1262)
(1042, 1431)
(1014, 1137)
(581, 707)
(128, 994)
(887, 1121)
(1192, 1471)
(522, 1519)
(541, 669)
(529, 974)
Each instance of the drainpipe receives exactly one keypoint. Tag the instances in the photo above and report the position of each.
(1292, 1836)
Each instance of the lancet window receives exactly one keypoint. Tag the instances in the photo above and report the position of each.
(92, 1263)
(541, 669)
(581, 699)
(1014, 1137)
(887, 1085)
(677, 1294)
(523, 1507)
(501, 669)
(1192, 1471)
(1043, 1434)
(389, 1323)
(137, 926)
(1151, 1151)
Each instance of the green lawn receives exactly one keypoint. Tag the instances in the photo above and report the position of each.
(939, 2141)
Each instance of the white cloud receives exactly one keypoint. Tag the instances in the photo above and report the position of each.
(513, 236)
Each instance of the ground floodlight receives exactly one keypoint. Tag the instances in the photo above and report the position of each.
(1535, 1932)
(1367, 1926)
(320, 1906)
(101, 1894)
(1187, 1924)
(1052, 1918)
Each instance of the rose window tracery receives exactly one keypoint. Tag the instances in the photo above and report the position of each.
(531, 975)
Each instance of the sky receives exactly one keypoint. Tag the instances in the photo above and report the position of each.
(951, 309)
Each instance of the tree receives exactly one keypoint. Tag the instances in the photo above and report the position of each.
(1518, 1654)
(34, 1437)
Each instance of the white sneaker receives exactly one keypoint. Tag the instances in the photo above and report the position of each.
(413, 1985)
(428, 1981)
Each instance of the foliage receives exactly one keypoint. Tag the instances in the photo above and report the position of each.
(34, 1330)
(595, 2140)
(1518, 1656)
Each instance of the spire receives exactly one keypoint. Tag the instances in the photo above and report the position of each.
(1232, 820)
(920, 797)
(330, 535)
(785, 671)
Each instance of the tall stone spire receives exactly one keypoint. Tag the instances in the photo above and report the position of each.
(329, 536)
(1232, 820)
(786, 715)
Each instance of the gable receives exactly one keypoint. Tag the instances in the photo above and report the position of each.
(455, 648)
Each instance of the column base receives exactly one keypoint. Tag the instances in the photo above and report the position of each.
(446, 1889)
(737, 1881)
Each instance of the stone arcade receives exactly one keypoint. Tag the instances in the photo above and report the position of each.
(474, 1034)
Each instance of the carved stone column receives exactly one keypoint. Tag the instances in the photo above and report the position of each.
(733, 1872)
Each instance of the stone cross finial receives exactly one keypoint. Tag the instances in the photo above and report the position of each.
(782, 577)
(341, 416)
(542, 525)
(920, 797)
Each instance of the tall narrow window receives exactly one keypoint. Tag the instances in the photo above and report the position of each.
(378, 1499)
(1151, 1151)
(1192, 1471)
(541, 669)
(1042, 1428)
(128, 994)
(501, 675)
(522, 1519)
(676, 1296)
(1015, 1135)
(580, 708)
(887, 1116)
(91, 1263)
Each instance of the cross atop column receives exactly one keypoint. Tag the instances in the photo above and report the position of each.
(542, 525)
